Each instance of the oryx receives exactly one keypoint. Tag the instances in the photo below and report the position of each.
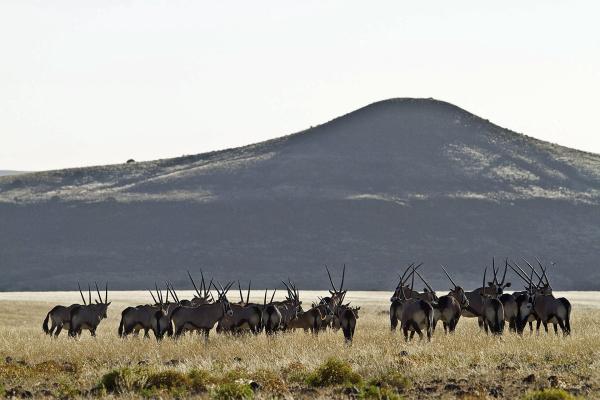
(476, 301)
(89, 316)
(448, 308)
(146, 317)
(313, 318)
(202, 317)
(416, 315)
(246, 316)
(271, 316)
(492, 310)
(61, 315)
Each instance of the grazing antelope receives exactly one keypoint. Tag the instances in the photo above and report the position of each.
(89, 316)
(202, 317)
(493, 311)
(449, 307)
(61, 315)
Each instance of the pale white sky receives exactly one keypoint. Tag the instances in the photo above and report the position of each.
(96, 82)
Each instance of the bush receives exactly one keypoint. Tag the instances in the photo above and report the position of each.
(232, 391)
(269, 381)
(295, 372)
(199, 380)
(549, 394)
(333, 372)
(379, 393)
(391, 379)
(122, 380)
(167, 380)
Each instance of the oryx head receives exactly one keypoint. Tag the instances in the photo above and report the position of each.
(203, 296)
(293, 296)
(102, 304)
(457, 292)
(495, 285)
(402, 287)
(336, 294)
(222, 298)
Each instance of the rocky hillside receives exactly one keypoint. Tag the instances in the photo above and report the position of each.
(396, 181)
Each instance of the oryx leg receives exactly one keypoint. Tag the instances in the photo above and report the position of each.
(537, 326)
(561, 323)
(146, 335)
(393, 321)
(58, 330)
(405, 331)
(485, 327)
(481, 323)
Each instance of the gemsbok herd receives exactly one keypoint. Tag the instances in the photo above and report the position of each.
(410, 310)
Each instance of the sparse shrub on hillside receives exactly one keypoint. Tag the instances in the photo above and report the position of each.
(199, 380)
(269, 381)
(549, 394)
(333, 372)
(369, 392)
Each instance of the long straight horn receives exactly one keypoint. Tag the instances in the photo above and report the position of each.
(343, 275)
(98, 290)
(248, 293)
(530, 266)
(330, 280)
(202, 284)
(167, 290)
(505, 269)
(521, 274)
(194, 283)
(448, 275)
(89, 294)
(273, 295)
(483, 287)
(207, 292)
(265, 300)
(495, 280)
(240, 289)
(81, 293)
(158, 293)
(106, 293)
(404, 274)
(290, 295)
(152, 294)
(425, 282)
(412, 282)
(543, 270)
(521, 269)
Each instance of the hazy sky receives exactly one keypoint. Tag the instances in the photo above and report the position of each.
(84, 82)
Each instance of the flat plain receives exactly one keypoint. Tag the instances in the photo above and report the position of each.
(379, 364)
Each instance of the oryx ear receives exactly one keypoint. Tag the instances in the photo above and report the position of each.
(331, 292)
(108, 304)
(507, 285)
(425, 290)
(490, 283)
(97, 302)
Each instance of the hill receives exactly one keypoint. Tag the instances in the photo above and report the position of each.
(396, 181)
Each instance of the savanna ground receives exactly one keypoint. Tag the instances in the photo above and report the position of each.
(379, 364)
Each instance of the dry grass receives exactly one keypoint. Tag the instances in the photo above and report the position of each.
(468, 364)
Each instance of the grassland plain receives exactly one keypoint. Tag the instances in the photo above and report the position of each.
(379, 364)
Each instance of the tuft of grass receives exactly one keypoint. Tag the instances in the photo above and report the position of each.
(167, 380)
(122, 380)
(295, 372)
(232, 391)
(549, 394)
(391, 379)
(199, 380)
(333, 372)
(269, 381)
(369, 392)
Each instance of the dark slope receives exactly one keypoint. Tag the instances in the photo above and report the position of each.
(397, 180)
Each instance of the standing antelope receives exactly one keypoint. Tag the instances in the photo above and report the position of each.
(89, 316)
(312, 319)
(550, 309)
(61, 315)
(134, 319)
(415, 315)
(345, 318)
(202, 317)
(271, 315)
(449, 307)
(246, 316)
(476, 300)
(492, 312)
